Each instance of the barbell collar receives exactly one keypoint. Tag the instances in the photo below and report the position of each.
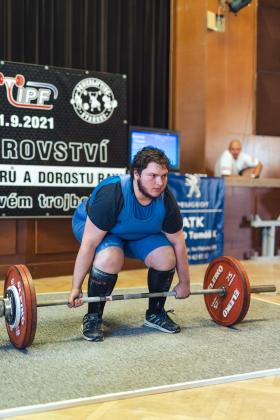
(5, 308)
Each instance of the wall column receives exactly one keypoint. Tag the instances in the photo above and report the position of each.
(187, 106)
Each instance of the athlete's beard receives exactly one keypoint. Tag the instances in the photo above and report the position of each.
(143, 190)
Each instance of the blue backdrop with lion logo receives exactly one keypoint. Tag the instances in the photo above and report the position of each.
(201, 202)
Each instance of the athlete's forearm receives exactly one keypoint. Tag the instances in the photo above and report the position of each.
(82, 264)
(182, 265)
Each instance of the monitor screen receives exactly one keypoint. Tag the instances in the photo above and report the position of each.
(166, 140)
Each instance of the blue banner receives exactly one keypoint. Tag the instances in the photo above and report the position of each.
(201, 202)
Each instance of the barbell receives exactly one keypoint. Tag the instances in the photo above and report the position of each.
(226, 291)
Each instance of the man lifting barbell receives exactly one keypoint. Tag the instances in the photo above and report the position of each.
(133, 216)
(140, 218)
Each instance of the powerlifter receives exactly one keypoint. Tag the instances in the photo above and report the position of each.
(133, 216)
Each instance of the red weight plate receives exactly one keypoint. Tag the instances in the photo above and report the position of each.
(23, 335)
(227, 273)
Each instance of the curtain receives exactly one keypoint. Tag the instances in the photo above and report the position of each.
(120, 36)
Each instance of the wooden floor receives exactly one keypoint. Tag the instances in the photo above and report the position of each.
(255, 399)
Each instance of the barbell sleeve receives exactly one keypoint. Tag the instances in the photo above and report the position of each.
(263, 288)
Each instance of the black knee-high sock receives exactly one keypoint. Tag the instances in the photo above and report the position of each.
(100, 284)
(158, 281)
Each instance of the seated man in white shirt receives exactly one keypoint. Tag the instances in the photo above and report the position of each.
(234, 162)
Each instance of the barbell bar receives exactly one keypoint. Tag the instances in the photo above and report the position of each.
(130, 296)
(221, 292)
(6, 303)
(226, 291)
(6, 308)
(7, 311)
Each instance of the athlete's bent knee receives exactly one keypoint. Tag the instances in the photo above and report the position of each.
(110, 260)
(162, 259)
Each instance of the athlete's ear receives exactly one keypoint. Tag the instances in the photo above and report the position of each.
(136, 173)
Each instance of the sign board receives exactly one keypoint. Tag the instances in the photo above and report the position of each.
(61, 132)
(201, 203)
